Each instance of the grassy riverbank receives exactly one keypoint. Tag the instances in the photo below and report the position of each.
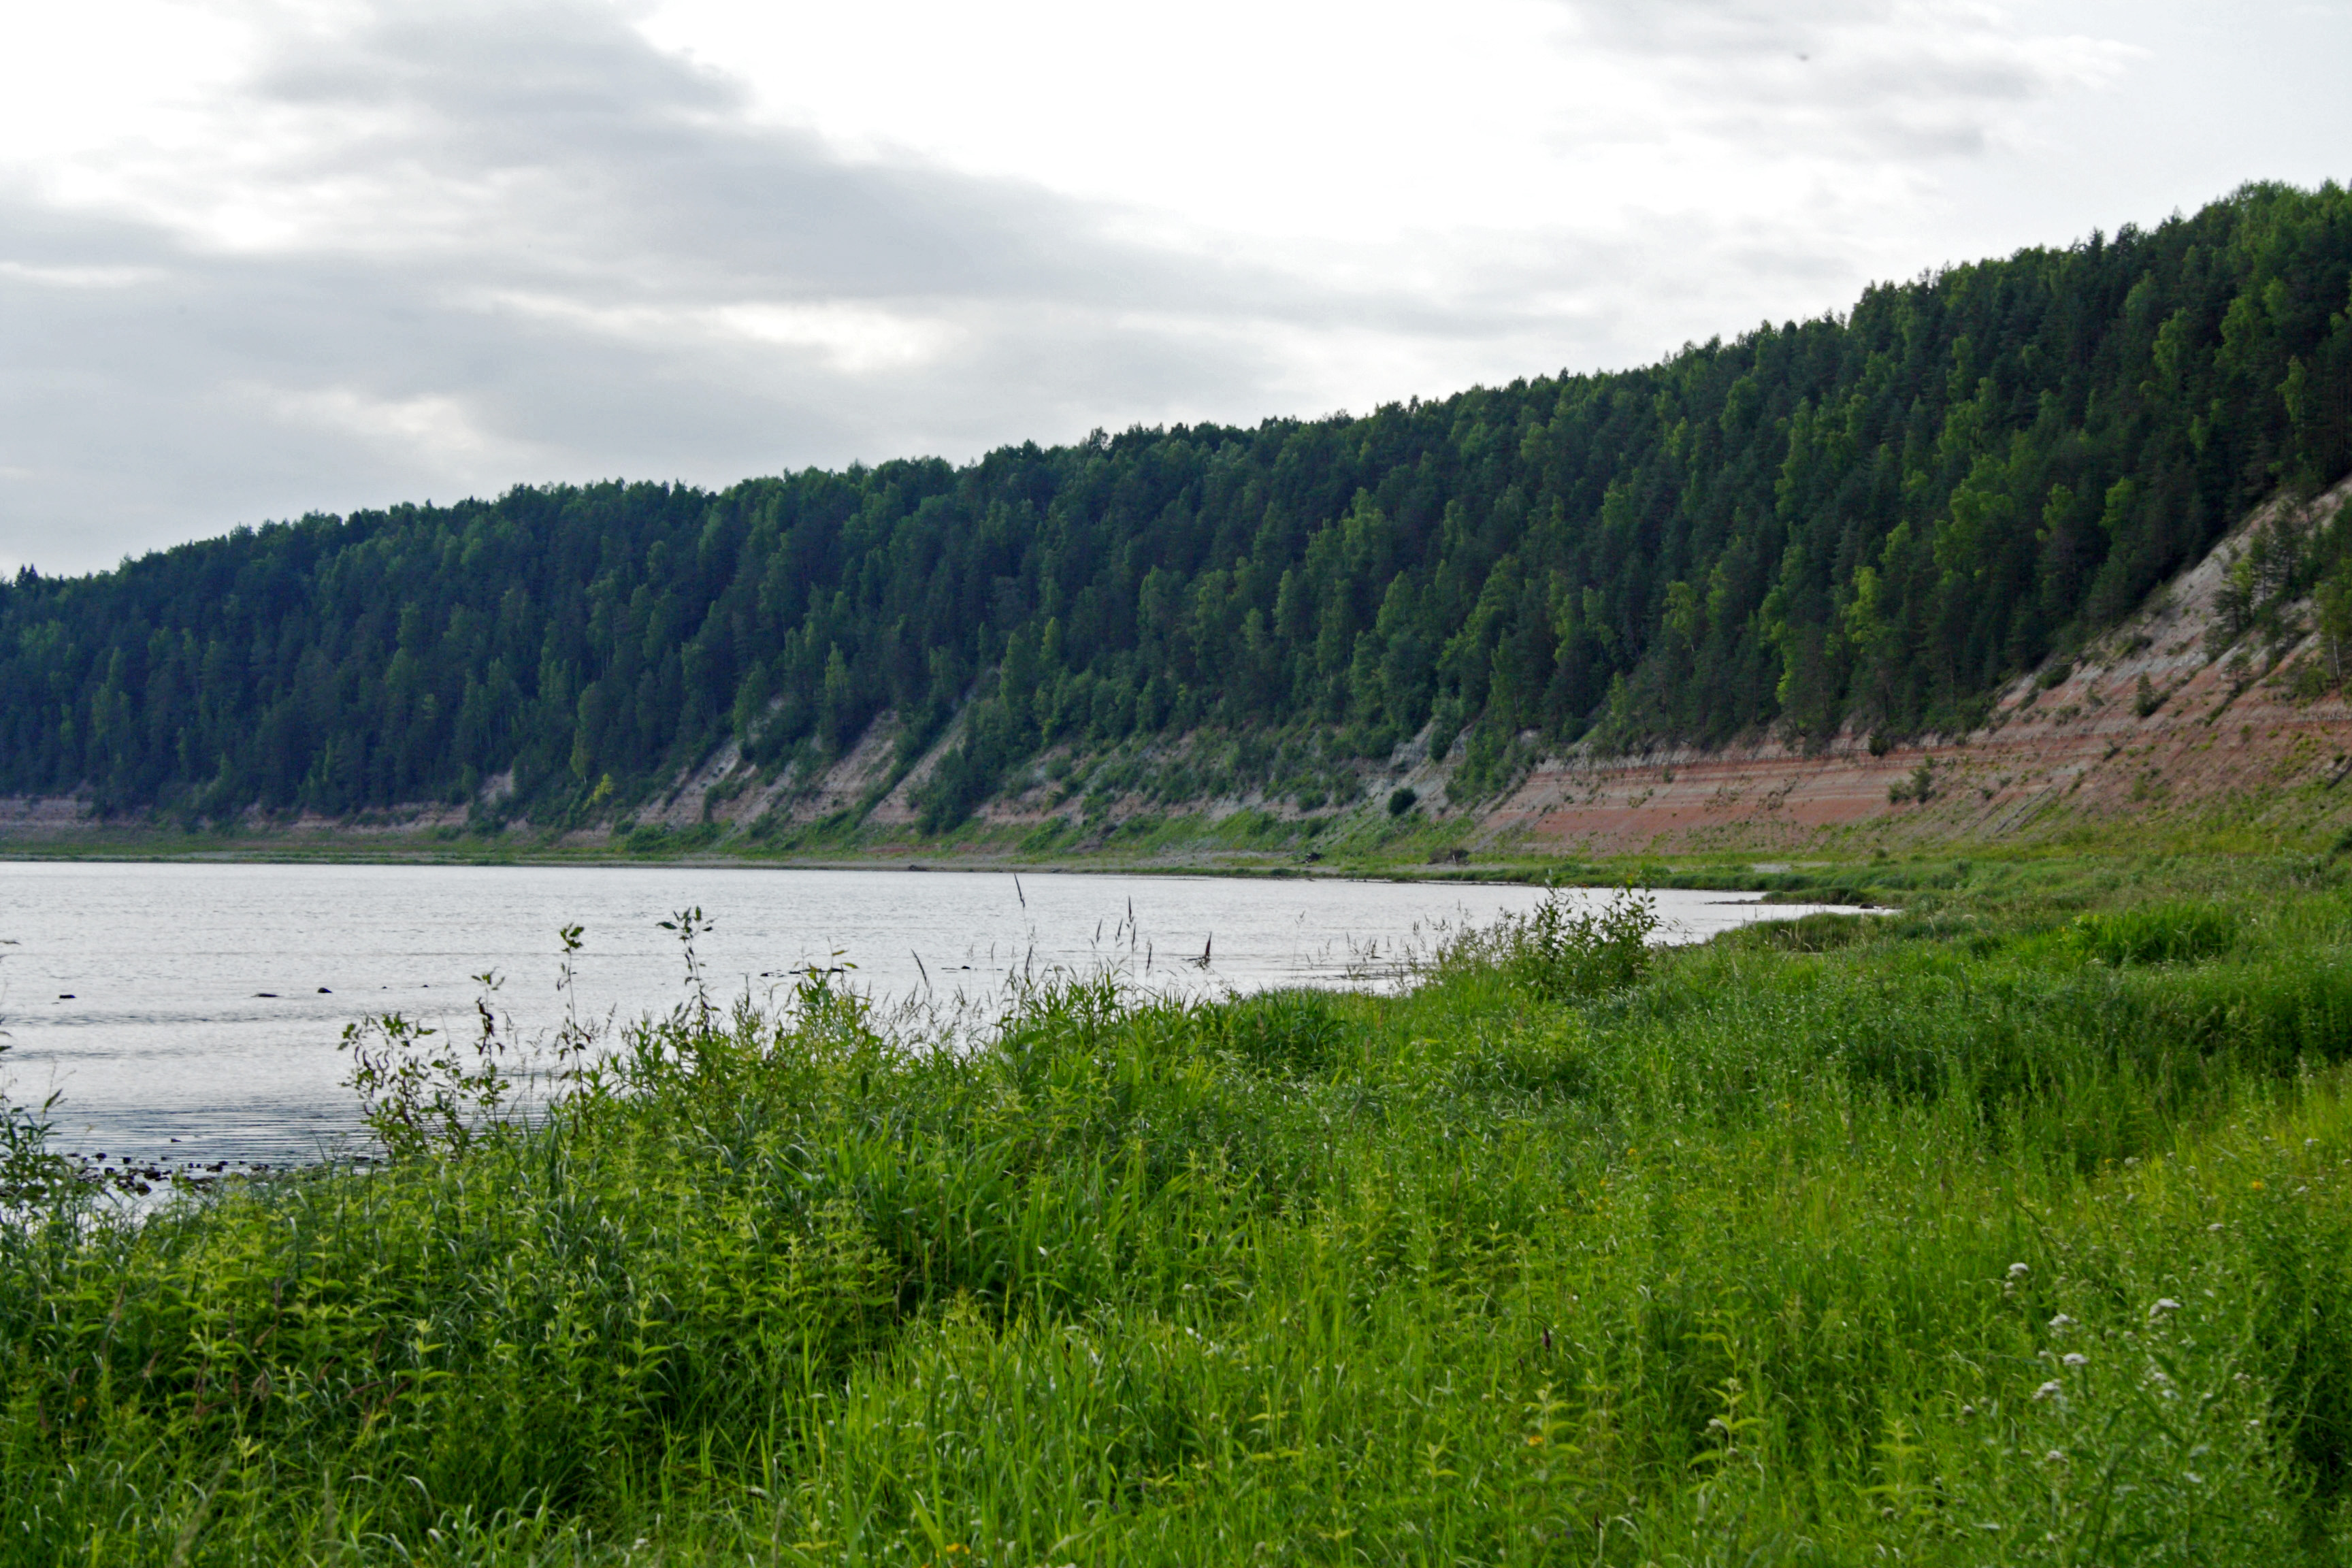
(2010, 1227)
(1859, 868)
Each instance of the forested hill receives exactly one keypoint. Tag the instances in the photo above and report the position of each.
(1875, 517)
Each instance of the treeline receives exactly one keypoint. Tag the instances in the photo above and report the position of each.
(1872, 519)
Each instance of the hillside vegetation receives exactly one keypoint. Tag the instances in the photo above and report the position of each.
(2014, 1229)
(1874, 519)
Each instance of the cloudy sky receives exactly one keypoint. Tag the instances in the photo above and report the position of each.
(258, 258)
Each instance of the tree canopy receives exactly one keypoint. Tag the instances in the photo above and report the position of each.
(1872, 517)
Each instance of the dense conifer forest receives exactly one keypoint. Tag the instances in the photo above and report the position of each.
(1871, 519)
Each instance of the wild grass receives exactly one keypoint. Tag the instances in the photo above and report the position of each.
(1941, 1236)
(2159, 933)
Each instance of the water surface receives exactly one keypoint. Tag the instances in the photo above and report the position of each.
(192, 1011)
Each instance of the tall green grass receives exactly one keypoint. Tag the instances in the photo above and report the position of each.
(1931, 1238)
(2161, 933)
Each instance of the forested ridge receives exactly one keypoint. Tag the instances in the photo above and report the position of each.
(1873, 517)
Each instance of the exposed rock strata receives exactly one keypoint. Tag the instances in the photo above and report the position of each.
(2227, 734)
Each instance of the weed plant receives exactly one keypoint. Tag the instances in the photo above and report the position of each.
(1954, 1236)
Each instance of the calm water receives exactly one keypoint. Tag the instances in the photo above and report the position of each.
(192, 1011)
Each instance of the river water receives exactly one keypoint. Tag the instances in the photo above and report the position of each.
(191, 1012)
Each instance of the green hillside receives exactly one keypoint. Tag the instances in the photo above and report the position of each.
(1874, 517)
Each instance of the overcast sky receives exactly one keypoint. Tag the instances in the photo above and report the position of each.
(261, 258)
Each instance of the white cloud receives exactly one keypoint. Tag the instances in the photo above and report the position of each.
(262, 256)
(431, 427)
(87, 277)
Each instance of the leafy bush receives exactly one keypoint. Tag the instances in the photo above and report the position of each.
(1565, 948)
(1919, 786)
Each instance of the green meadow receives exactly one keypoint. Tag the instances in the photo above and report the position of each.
(2010, 1226)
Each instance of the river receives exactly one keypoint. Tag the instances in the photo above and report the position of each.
(190, 1013)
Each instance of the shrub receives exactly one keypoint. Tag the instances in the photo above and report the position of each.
(1566, 948)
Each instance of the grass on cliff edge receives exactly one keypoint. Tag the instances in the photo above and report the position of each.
(2013, 1228)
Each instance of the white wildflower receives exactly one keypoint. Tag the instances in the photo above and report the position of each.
(2061, 1324)
(2019, 1271)
(2047, 1389)
(2163, 1304)
(2076, 1357)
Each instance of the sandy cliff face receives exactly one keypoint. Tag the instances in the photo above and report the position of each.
(38, 815)
(2217, 732)
(865, 780)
